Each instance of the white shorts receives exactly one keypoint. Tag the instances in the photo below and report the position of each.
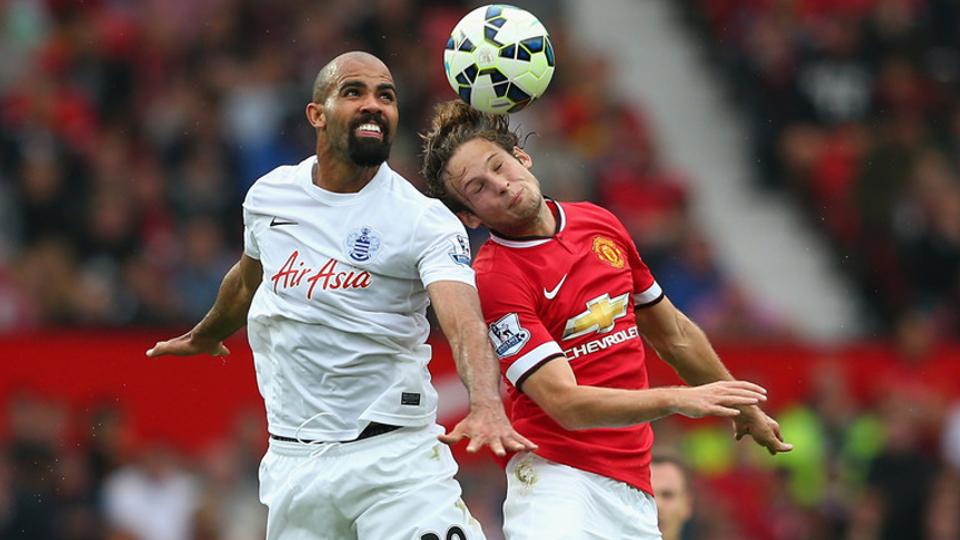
(550, 500)
(395, 486)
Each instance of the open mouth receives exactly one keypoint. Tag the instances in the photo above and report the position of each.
(369, 129)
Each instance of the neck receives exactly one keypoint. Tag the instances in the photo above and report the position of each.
(544, 223)
(333, 173)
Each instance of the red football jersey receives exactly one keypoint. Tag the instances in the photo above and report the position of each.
(572, 294)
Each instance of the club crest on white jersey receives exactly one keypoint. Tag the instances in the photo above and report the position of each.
(363, 244)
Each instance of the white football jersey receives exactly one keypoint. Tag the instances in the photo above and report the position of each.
(338, 326)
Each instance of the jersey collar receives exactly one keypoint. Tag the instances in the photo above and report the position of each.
(339, 199)
(534, 241)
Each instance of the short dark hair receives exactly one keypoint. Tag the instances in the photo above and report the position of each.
(454, 123)
(670, 459)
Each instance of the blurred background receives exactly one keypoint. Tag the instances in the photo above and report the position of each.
(789, 169)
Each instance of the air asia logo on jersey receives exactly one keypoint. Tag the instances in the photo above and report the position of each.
(608, 251)
(363, 244)
(461, 250)
(328, 277)
(507, 336)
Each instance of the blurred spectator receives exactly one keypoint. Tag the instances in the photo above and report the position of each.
(228, 507)
(900, 478)
(35, 435)
(854, 106)
(672, 490)
(951, 438)
(942, 521)
(130, 136)
(205, 261)
(108, 443)
(698, 287)
(152, 499)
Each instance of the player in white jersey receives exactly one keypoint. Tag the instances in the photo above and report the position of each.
(341, 258)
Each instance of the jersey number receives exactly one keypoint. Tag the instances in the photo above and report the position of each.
(453, 533)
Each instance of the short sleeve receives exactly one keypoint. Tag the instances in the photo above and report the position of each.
(250, 247)
(442, 248)
(646, 290)
(520, 339)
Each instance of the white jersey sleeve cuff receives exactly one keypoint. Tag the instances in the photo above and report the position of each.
(652, 295)
(468, 278)
(250, 248)
(531, 360)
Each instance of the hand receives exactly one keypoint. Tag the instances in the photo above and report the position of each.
(719, 398)
(188, 345)
(488, 425)
(764, 430)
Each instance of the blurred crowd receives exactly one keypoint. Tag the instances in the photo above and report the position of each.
(855, 110)
(130, 132)
(71, 474)
(882, 468)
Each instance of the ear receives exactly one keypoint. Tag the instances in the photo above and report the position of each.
(316, 115)
(469, 219)
(523, 157)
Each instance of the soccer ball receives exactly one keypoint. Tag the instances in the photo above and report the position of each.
(499, 58)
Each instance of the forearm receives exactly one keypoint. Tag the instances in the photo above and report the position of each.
(587, 407)
(692, 355)
(695, 361)
(476, 364)
(229, 311)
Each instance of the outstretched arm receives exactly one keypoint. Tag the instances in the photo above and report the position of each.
(458, 310)
(228, 314)
(553, 386)
(684, 346)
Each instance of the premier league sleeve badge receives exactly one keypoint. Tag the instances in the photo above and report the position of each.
(460, 251)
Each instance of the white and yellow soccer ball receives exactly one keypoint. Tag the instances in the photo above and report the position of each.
(499, 58)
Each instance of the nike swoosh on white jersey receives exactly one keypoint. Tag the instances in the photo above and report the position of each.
(551, 294)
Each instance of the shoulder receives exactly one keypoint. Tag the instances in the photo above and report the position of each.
(407, 204)
(484, 262)
(589, 216)
(269, 186)
(585, 210)
(495, 265)
(402, 190)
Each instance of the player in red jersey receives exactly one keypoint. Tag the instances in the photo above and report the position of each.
(567, 298)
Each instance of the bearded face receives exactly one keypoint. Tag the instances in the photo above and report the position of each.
(369, 138)
(362, 115)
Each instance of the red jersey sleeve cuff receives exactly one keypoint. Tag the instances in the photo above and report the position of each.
(649, 297)
(517, 370)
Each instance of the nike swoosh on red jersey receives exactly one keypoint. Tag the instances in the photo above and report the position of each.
(552, 294)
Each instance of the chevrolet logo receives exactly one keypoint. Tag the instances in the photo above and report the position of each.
(599, 317)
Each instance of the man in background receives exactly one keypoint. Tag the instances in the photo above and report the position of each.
(671, 489)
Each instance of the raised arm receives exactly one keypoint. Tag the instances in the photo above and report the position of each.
(458, 311)
(683, 345)
(228, 314)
